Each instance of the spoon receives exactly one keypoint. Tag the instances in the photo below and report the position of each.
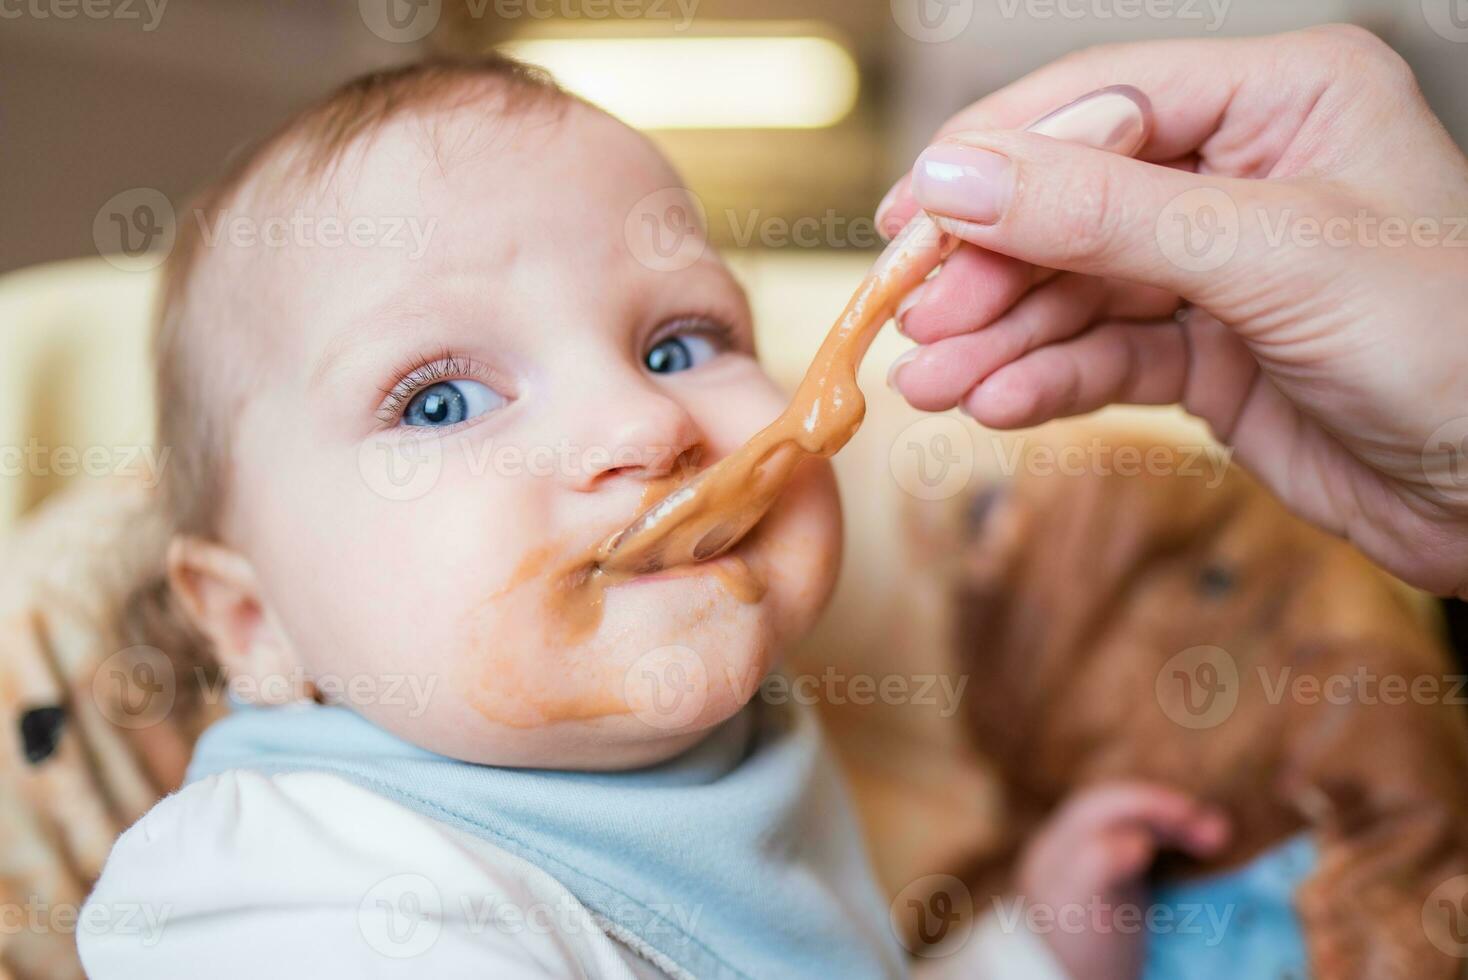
(710, 513)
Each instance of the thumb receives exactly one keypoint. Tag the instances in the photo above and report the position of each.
(1067, 206)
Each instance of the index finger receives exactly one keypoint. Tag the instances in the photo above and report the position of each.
(1166, 812)
(1191, 84)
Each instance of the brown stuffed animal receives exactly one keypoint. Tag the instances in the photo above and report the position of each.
(1165, 622)
(99, 709)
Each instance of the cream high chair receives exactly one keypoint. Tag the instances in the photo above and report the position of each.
(75, 401)
(89, 737)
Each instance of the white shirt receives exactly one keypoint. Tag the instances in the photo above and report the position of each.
(308, 875)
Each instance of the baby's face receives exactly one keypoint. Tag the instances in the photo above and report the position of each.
(432, 436)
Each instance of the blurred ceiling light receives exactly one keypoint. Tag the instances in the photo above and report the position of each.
(703, 82)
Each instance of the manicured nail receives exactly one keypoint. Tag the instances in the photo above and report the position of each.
(895, 370)
(1117, 119)
(888, 202)
(905, 307)
(963, 182)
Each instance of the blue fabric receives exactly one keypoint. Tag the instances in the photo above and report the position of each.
(1241, 923)
(740, 858)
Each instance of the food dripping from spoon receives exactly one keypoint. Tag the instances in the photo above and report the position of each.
(712, 512)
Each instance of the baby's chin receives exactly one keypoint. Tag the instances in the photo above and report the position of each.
(671, 657)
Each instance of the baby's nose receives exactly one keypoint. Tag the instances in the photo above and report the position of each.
(646, 438)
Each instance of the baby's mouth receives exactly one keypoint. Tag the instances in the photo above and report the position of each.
(729, 572)
(576, 589)
(730, 562)
(705, 516)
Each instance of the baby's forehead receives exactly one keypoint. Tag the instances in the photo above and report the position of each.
(426, 191)
(468, 176)
(442, 161)
(400, 163)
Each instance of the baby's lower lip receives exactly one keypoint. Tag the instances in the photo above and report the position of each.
(684, 571)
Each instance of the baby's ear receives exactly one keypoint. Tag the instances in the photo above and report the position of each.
(218, 589)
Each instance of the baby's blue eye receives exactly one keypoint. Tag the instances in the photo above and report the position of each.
(679, 353)
(448, 402)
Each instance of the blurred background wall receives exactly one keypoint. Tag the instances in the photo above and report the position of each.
(101, 96)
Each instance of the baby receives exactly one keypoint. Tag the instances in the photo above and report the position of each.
(383, 462)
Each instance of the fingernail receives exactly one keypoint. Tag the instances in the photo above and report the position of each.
(895, 370)
(1116, 119)
(888, 202)
(963, 182)
(1212, 825)
(905, 307)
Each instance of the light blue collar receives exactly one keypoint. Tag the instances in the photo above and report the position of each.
(748, 837)
(1241, 923)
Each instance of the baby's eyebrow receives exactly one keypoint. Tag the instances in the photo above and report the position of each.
(385, 322)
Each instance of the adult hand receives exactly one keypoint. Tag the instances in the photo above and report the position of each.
(1288, 260)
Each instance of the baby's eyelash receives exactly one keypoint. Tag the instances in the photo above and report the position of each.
(714, 328)
(423, 373)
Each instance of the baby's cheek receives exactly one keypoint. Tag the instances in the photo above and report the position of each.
(798, 549)
(729, 415)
